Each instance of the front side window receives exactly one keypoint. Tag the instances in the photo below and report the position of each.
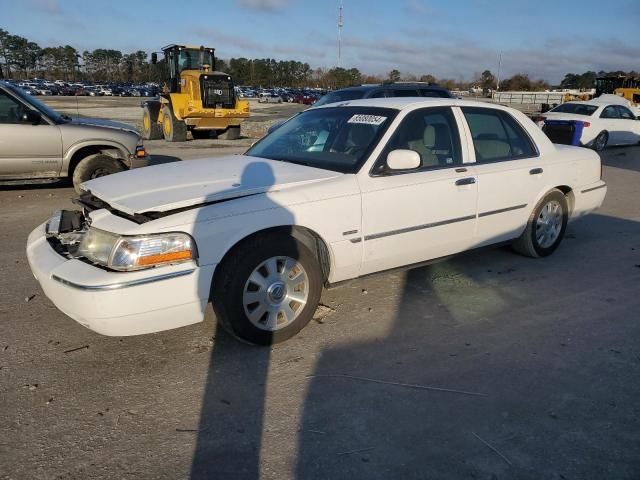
(625, 113)
(433, 133)
(610, 112)
(11, 111)
(497, 135)
(332, 138)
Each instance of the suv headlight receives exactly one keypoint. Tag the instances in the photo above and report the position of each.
(136, 252)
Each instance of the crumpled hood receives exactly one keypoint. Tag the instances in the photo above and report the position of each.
(101, 122)
(194, 182)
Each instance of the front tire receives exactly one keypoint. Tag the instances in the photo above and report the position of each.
(174, 130)
(545, 227)
(95, 166)
(267, 290)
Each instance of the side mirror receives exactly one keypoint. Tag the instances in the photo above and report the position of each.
(403, 160)
(32, 116)
(154, 58)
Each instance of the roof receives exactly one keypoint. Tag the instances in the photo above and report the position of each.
(401, 103)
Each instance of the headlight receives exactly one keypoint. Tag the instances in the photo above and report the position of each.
(135, 253)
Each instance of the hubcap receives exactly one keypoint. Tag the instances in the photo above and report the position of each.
(275, 293)
(167, 125)
(145, 121)
(549, 224)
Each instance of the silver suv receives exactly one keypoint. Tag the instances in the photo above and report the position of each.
(38, 142)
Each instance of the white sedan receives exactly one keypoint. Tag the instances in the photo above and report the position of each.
(337, 192)
(601, 123)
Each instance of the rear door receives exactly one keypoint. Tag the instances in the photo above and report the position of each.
(27, 150)
(510, 173)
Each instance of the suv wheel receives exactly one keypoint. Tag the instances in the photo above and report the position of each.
(95, 166)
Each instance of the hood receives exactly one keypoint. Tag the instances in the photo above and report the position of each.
(101, 122)
(195, 182)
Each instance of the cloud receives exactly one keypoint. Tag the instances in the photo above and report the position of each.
(417, 7)
(229, 45)
(48, 6)
(264, 5)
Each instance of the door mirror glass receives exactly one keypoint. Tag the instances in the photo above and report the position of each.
(31, 116)
(402, 159)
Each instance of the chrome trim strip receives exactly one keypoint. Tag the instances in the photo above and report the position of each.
(131, 283)
(594, 188)
(501, 210)
(419, 227)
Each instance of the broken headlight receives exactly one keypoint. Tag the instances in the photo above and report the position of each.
(138, 252)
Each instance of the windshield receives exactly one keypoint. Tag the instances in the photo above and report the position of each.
(44, 109)
(576, 108)
(338, 138)
(190, 59)
(340, 96)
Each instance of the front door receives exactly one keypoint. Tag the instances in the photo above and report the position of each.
(413, 216)
(27, 150)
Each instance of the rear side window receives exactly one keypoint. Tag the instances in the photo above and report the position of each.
(497, 135)
(405, 92)
(433, 93)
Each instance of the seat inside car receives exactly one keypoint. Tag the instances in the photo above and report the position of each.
(435, 145)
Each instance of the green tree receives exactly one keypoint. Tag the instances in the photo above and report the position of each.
(394, 75)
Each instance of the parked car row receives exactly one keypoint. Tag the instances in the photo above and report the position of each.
(40, 87)
(279, 95)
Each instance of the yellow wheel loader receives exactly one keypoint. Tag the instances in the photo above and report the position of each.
(196, 98)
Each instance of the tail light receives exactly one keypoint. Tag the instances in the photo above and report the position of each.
(586, 124)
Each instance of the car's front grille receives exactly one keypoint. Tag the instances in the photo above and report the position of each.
(217, 91)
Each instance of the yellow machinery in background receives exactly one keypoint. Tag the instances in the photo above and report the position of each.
(196, 98)
(625, 86)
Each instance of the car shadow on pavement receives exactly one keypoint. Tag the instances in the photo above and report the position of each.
(231, 423)
(492, 366)
(627, 157)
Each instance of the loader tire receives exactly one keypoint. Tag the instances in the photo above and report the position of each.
(174, 130)
(151, 129)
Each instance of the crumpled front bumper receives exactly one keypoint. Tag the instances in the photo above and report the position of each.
(120, 303)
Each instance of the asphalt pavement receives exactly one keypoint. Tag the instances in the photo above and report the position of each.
(489, 365)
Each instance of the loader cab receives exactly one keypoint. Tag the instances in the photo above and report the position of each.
(180, 58)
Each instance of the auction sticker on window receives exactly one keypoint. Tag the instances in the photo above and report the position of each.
(367, 119)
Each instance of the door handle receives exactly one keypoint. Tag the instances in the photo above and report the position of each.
(466, 181)
(535, 171)
(461, 170)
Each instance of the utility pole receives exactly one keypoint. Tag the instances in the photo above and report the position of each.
(340, 25)
(499, 67)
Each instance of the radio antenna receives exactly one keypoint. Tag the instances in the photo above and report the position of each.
(340, 25)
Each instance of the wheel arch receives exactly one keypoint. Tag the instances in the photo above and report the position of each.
(310, 238)
(78, 152)
(569, 195)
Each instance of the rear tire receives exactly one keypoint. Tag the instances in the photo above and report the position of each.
(545, 227)
(600, 143)
(151, 129)
(231, 133)
(95, 166)
(253, 290)
(174, 130)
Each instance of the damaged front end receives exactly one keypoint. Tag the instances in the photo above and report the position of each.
(65, 230)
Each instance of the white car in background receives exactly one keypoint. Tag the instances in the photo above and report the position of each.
(337, 192)
(603, 123)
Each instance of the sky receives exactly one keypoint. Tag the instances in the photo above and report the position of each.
(448, 39)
